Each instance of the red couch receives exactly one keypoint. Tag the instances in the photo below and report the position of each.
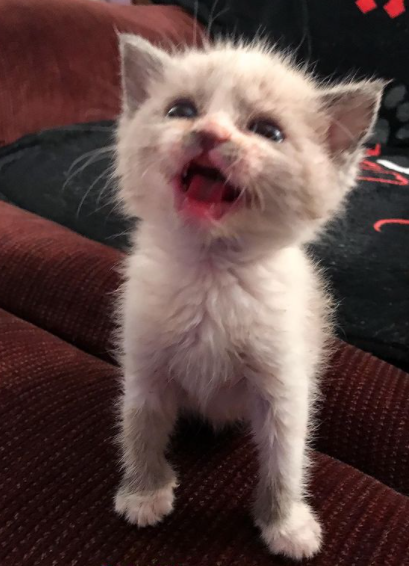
(58, 383)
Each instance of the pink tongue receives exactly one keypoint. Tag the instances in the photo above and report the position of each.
(205, 189)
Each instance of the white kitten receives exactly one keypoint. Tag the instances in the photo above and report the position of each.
(234, 159)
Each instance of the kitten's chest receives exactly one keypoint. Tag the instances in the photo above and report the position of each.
(209, 318)
(212, 306)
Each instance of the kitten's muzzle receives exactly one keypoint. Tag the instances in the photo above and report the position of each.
(229, 194)
(216, 187)
(202, 190)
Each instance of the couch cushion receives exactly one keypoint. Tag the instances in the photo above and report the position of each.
(58, 280)
(59, 472)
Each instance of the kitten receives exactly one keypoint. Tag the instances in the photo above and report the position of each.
(234, 159)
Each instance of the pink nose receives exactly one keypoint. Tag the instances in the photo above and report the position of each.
(210, 138)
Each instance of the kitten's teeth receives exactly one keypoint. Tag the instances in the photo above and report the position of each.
(184, 178)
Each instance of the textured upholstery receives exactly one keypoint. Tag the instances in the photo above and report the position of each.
(66, 284)
(58, 468)
(364, 418)
(58, 473)
(50, 275)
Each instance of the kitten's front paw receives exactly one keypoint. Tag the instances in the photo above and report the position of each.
(148, 508)
(299, 536)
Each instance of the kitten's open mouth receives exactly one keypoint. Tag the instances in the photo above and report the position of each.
(204, 191)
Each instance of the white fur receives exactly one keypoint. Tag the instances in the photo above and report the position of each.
(148, 509)
(299, 537)
(229, 319)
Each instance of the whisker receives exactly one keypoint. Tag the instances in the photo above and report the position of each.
(107, 186)
(91, 157)
(92, 153)
(213, 17)
(146, 171)
(195, 14)
(90, 188)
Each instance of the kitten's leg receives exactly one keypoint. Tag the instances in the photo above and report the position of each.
(279, 421)
(145, 495)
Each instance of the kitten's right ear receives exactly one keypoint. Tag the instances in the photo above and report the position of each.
(140, 62)
(352, 110)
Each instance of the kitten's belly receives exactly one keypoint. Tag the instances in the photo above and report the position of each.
(223, 405)
(209, 374)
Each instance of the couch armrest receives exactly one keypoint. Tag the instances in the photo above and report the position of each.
(59, 60)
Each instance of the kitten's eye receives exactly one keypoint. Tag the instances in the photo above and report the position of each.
(267, 129)
(182, 109)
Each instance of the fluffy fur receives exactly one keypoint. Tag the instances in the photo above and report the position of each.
(228, 317)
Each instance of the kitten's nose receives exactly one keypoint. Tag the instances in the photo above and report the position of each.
(210, 138)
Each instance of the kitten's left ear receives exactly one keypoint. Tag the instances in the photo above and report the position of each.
(140, 63)
(352, 110)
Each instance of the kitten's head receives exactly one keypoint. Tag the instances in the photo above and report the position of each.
(235, 141)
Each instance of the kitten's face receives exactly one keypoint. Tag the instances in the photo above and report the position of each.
(231, 142)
